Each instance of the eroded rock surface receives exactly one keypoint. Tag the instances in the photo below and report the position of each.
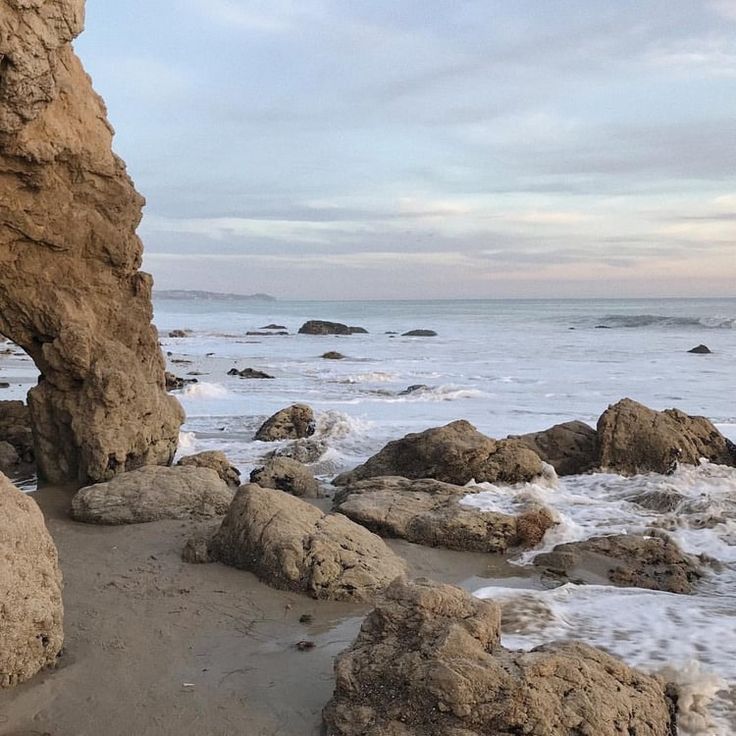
(15, 429)
(428, 512)
(455, 453)
(292, 545)
(635, 439)
(287, 475)
(428, 662)
(217, 461)
(292, 423)
(31, 611)
(570, 448)
(153, 493)
(71, 293)
(322, 327)
(627, 560)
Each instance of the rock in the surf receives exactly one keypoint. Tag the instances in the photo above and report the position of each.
(287, 475)
(428, 662)
(322, 327)
(217, 461)
(627, 560)
(179, 333)
(701, 350)
(292, 545)
(429, 512)
(570, 448)
(420, 333)
(333, 355)
(31, 611)
(635, 439)
(306, 450)
(292, 423)
(456, 453)
(153, 493)
(248, 373)
(175, 383)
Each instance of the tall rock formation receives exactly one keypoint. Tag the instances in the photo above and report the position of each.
(71, 293)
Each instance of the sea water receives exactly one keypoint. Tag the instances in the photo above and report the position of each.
(509, 367)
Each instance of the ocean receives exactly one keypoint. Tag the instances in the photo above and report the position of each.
(509, 367)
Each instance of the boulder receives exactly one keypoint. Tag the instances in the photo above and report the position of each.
(570, 448)
(15, 429)
(4, 384)
(626, 560)
(151, 494)
(248, 373)
(292, 423)
(456, 453)
(420, 333)
(273, 327)
(71, 292)
(292, 545)
(333, 355)
(217, 461)
(175, 383)
(31, 611)
(429, 512)
(321, 327)
(178, 333)
(635, 439)
(9, 457)
(428, 662)
(663, 500)
(287, 475)
(305, 451)
(260, 333)
(413, 389)
(701, 350)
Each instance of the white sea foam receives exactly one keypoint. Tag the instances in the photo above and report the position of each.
(204, 390)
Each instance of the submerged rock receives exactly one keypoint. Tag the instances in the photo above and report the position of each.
(627, 560)
(456, 453)
(428, 662)
(274, 327)
(635, 439)
(321, 327)
(429, 512)
(71, 292)
(419, 333)
(179, 333)
(217, 461)
(248, 373)
(287, 475)
(413, 389)
(151, 494)
(333, 355)
(701, 350)
(292, 423)
(292, 545)
(175, 383)
(570, 448)
(31, 610)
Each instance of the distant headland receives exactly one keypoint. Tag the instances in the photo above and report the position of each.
(194, 294)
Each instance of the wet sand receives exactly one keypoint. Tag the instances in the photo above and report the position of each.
(158, 646)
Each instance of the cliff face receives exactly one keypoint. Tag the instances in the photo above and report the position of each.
(71, 293)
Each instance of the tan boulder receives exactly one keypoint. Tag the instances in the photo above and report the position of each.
(15, 428)
(287, 475)
(635, 439)
(456, 453)
(217, 461)
(429, 512)
(428, 662)
(570, 448)
(292, 545)
(31, 611)
(153, 493)
(292, 423)
(627, 560)
(71, 292)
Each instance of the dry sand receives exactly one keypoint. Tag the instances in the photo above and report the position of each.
(157, 646)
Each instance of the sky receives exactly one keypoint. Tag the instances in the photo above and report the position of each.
(427, 148)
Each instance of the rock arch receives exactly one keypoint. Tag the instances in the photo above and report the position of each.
(71, 292)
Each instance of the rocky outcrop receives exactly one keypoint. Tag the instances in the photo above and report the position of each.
(635, 439)
(15, 429)
(152, 494)
(428, 662)
(293, 423)
(31, 611)
(217, 461)
(321, 327)
(287, 475)
(420, 333)
(627, 560)
(456, 453)
(248, 373)
(292, 545)
(700, 350)
(176, 383)
(429, 512)
(570, 448)
(71, 292)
